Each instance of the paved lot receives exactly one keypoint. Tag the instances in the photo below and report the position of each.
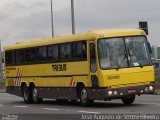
(12, 105)
(2, 89)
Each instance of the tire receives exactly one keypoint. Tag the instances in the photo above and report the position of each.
(84, 100)
(128, 100)
(26, 94)
(35, 96)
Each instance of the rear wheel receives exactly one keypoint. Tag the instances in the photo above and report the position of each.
(84, 100)
(128, 99)
(26, 94)
(35, 96)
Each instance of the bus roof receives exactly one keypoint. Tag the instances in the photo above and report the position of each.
(91, 35)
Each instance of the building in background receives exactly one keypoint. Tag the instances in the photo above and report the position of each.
(155, 53)
(156, 59)
(1, 64)
(158, 53)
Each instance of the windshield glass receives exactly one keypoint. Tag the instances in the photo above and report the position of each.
(123, 52)
(112, 53)
(138, 53)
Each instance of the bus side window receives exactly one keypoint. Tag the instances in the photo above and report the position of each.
(30, 55)
(20, 56)
(65, 52)
(53, 52)
(93, 66)
(41, 54)
(79, 50)
(10, 58)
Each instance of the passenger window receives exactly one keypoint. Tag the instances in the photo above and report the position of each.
(41, 53)
(65, 51)
(53, 52)
(20, 56)
(10, 57)
(30, 55)
(79, 50)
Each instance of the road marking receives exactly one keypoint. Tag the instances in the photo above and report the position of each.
(20, 106)
(50, 109)
(88, 112)
(150, 103)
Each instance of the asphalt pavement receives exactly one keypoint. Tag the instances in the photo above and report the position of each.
(14, 107)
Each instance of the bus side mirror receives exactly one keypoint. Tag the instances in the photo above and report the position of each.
(150, 49)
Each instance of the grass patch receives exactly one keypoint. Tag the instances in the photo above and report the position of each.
(2, 83)
(157, 78)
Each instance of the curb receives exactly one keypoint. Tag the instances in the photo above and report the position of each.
(157, 92)
(2, 89)
(157, 88)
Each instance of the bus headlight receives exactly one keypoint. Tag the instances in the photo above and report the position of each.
(110, 92)
(121, 93)
(115, 92)
(146, 88)
(150, 87)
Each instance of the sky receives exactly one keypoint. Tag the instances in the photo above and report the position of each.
(23, 20)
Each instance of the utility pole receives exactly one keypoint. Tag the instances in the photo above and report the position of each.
(1, 64)
(52, 19)
(72, 16)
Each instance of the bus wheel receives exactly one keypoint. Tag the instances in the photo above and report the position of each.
(35, 96)
(84, 100)
(26, 94)
(128, 99)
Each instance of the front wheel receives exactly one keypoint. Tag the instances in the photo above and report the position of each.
(128, 99)
(84, 100)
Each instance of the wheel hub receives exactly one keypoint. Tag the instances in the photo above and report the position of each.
(84, 95)
(25, 94)
(35, 94)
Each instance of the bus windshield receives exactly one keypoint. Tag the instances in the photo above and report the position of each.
(123, 52)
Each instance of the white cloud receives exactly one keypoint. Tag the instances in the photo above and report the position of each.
(21, 19)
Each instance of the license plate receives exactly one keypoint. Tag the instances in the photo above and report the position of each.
(131, 91)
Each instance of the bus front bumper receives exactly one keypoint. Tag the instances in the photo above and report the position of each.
(115, 93)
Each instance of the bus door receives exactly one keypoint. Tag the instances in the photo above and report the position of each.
(93, 66)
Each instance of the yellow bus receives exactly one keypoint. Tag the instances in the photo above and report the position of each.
(97, 65)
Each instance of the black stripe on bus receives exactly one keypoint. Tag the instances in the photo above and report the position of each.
(49, 76)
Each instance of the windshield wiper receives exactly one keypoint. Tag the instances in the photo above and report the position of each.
(140, 65)
(117, 67)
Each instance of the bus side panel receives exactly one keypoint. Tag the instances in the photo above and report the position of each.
(51, 82)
